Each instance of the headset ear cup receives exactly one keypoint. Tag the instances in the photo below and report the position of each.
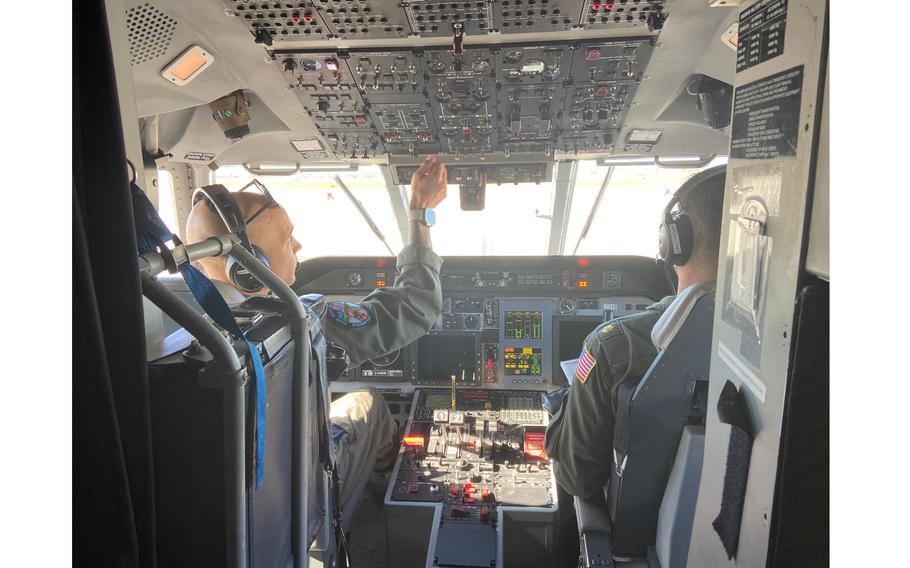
(680, 241)
(239, 277)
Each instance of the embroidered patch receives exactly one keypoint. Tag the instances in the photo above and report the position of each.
(585, 365)
(350, 315)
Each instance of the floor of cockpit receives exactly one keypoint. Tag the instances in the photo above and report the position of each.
(367, 532)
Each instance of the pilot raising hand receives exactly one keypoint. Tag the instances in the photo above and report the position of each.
(384, 321)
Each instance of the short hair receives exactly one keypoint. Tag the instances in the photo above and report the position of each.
(704, 204)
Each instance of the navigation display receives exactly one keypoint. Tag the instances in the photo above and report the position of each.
(440, 357)
(523, 325)
(522, 360)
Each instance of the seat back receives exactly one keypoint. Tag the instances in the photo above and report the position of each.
(677, 510)
(187, 422)
(651, 416)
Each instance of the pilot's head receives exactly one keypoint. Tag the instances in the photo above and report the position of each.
(268, 228)
(701, 202)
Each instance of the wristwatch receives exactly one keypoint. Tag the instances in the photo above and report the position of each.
(425, 216)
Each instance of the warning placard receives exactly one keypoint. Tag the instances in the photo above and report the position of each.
(766, 116)
(761, 33)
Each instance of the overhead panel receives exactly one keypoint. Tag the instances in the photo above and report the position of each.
(634, 15)
(605, 77)
(282, 20)
(435, 18)
(327, 90)
(364, 19)
(394, 19)
(526, 16)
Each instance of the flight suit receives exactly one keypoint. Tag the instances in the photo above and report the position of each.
(386, 320)
(580, 435)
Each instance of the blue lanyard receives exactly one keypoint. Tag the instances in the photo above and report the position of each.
(150, 230)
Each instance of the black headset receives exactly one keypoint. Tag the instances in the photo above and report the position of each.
(219, 198)
(675, 238)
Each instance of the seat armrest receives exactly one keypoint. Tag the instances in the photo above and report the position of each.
(594, 532)
(592, 515)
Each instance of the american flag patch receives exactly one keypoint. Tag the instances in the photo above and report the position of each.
(584, 366)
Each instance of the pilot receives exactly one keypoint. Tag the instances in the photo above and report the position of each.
(385, 320)
(580, 435)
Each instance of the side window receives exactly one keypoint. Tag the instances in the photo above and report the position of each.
(167, 209)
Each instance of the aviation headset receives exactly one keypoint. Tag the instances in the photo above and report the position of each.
(219, 198)
(675, 238)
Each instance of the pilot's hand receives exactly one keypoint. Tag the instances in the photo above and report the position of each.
(428, 184)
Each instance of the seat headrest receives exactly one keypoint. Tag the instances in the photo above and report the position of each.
(676, 313)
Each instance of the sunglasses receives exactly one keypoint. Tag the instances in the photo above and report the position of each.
(271, 202)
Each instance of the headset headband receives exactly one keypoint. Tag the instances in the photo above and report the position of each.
(221, 200)
(691, 183)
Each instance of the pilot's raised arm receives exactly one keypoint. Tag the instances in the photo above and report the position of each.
(391, 318)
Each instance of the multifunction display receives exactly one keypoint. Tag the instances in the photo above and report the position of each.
(523, 325)
(522, 360)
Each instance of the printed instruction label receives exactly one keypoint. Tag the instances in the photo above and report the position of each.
(199, 156)
(766, 116)
(742, 371)
(761, 33)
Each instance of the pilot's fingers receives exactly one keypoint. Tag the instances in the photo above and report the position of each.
(442, 176)
(425, 167)
(432, 172)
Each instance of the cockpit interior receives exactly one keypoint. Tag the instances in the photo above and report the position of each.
(565, 127)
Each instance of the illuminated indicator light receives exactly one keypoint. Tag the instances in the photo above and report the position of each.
(380, 283)
(331, 64)
(595, 6)
(413, 441)
(534, 444)
(186, 67)
(528, 350)
(380, 262)
(582, 283)
(295, 18)
(609, 5)
(489, 363)
(308, 18)
(592, 54)
(485, 494)
(582, 262)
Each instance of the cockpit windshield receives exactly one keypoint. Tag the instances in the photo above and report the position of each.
(518, 219)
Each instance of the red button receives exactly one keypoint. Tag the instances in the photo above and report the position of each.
(308, 17)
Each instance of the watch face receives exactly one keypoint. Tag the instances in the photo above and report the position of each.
(429, 217)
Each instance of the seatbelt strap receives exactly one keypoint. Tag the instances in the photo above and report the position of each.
(151, 232)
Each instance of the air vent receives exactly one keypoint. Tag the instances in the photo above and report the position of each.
(150, 32)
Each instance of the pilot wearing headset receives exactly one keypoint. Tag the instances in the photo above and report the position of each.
(387, 319)
(580, 435)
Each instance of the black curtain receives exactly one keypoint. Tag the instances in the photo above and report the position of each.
(113, 491)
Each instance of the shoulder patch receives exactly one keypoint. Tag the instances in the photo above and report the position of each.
(350, 315)
(586, 364)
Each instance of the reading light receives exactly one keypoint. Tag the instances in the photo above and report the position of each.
(188, 65)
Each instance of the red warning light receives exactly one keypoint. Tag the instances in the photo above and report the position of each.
(380, 262)
(592, 54)
(583, 262)
(609, 5)
(413, 441)
(595, 6)
(534, 445)
(308, 17)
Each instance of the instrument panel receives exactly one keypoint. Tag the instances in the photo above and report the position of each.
(498, 329)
